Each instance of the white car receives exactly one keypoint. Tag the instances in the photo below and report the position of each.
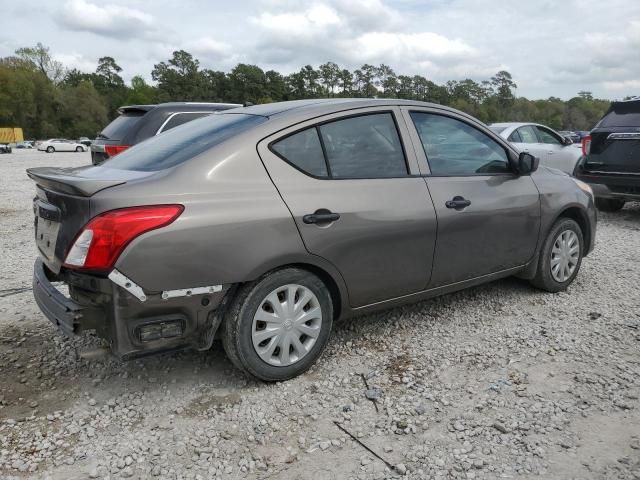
(61, 145)
(549, 146)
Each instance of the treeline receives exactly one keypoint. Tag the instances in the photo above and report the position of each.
(40, 95)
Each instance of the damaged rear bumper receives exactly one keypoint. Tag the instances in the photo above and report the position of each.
(132, 327)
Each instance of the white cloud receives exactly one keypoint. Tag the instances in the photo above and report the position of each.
(108, 20)
(75, 60)
(624, 85)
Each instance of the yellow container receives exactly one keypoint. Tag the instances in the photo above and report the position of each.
(11, 135)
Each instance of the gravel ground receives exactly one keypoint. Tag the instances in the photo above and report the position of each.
(499, 381)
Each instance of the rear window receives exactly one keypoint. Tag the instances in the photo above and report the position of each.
(122, 125)
(182, 143)
(615, 119)
(182, 118)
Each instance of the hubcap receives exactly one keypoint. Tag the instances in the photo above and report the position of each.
(565, 255)
(286, 325)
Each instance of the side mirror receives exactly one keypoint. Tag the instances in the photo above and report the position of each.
(527, 163)
(568, 141)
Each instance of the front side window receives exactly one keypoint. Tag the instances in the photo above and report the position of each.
(528, 134)
(455, 148)
(366, 146)
(547, 137)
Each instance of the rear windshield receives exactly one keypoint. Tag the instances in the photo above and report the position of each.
(182, 143)
(624, 114)
(122, 125)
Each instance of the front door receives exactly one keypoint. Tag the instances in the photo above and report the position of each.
(357, 200)
(488, 217)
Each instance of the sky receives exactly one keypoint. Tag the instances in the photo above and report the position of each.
(551, 47)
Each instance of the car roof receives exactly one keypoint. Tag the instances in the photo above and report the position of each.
(326, 104)
(511, 124)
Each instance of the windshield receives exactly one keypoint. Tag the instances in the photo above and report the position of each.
(182, 143)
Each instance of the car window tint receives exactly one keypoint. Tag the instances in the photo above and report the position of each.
(119, 127)
(515, 137)
(547, 137)
(304, 151)
(180, 118)
(528, 134)
(367, 146)
(182, 143)
(456, 148)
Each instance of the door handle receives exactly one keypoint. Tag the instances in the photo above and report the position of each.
(320, 216)
(458, 203)
(550, 152)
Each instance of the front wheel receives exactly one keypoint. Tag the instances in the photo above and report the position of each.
(278, 326)
(50, 149)
(79, 149)
(609, 204)
(560, 257)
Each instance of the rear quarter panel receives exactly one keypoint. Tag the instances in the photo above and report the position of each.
(234, 227)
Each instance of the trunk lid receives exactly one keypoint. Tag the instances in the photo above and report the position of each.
(63, 205)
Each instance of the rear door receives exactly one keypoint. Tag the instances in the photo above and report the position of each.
(528, 141)
(488, 217)
(358, 200)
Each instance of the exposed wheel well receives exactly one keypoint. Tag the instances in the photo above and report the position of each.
(580, 218)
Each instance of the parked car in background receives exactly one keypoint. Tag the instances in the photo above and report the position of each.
(61, 145)
(273, 221)
(85, 141)
(574, 136)
(5, 148)
(611, 163)
(23, 145)
(139, 122)
(549, 146)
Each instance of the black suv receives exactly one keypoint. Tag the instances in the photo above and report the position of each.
(611, 161)
(139, 122)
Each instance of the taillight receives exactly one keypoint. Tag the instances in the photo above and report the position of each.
(586, 145)
(113, 150)
(102, 240)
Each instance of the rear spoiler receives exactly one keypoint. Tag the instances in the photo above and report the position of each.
(135, 108)
(67, 180)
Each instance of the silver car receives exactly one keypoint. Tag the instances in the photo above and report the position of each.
(265, 224)
(549, 146)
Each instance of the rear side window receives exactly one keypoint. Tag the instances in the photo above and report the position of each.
(366, 146)
(304, 151)
(122, 125)
(183, 143)
(454, 148)
(180, 118)
(547, 137)
(528, 134)
(515, 137)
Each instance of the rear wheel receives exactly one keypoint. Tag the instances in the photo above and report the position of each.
(79, 149)
(50, 149)
(609, 204)
(278, 326)
(560, 257)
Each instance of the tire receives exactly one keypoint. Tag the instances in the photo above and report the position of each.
(50, 149)
(609, 204)
(79, 149)
(545, 278)
(240, 326)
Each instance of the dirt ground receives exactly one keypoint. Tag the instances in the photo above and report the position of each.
(499, 381)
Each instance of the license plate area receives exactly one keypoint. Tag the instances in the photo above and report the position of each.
(47, 226)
